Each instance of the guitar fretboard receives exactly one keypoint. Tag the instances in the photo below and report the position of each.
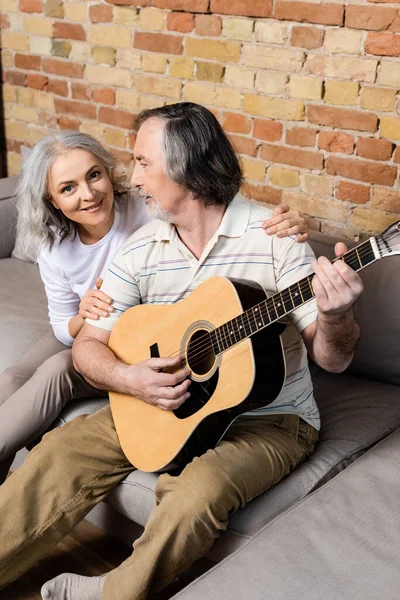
(279, 305)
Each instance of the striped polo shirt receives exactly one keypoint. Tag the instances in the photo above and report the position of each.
(154, 266)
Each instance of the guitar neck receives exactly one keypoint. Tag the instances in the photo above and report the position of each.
(282, 303)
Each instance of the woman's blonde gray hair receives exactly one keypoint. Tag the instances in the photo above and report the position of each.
(38, 219)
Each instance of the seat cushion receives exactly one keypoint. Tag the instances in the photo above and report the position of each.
(340, 542)
(23, 318)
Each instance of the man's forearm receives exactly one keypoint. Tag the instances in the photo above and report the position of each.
(335, 340)
(100, 367)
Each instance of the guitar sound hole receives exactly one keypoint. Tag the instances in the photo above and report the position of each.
(200, 354)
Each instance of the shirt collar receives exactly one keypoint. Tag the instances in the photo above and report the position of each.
(233, 224)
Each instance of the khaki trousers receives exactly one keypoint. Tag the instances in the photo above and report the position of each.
(33, 392)
(74, 467)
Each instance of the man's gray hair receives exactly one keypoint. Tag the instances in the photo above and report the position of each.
(37, 217)
(197, 153)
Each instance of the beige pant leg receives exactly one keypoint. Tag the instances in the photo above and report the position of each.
(70, 471)
(15, 376)
(29, 411)
(194, 507)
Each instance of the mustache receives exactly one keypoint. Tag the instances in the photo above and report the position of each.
(143, 194)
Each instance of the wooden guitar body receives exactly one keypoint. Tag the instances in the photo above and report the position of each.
(247, 375)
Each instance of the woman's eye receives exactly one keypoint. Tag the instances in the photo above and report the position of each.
(94, 174)
(67, 188)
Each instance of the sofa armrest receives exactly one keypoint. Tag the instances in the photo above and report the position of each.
(8, 216)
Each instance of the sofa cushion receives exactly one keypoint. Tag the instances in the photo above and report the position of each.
(377, 311)
(340, 542)
(23, 318)
(8, 220)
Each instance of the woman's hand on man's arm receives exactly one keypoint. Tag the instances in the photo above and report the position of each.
(286, 221)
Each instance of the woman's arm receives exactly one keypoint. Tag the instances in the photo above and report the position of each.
(67, 311)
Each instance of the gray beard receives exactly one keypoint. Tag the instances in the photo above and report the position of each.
(157, 212)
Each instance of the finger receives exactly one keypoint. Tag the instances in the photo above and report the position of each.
(98, 282)
(92, 312)
(302, 237)
(328, 275)
(166, 404)
(340, 249)
(172, 393)
(101, 296)
(172, 379)
(169, 362)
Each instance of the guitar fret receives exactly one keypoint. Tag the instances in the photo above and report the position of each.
(214, 342)
(288, 302)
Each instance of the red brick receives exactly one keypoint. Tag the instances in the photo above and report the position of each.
(118, 118)
(80, 109)
(15, 77)
(362, 170)
(383, 44)
(63, 68)
(58, 87)
(286, 155)
(236, 123)
(104, 96)
(262, 193)
(4, 22)
(307, 37)
(69, 31)
(375, 18)
(307, 12)
(245, 145)
(271, 131)
(37, 81)
(194, 6)
(374, 149)
(68, 123)
(158, 42)
(246, 8)
(300, 136)
(99, 13)
(353, 192)
(23, 61)
(15, 146)
(396, 156)
(123, 157)
(81, 91)
(336, 141)
(183, 22)
(210, 25)
(342, 118)
(30, 6)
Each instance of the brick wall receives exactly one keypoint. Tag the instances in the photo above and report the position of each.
(307, 91)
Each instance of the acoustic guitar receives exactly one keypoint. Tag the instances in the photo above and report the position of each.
(226, 332)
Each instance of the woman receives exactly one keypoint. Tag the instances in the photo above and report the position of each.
(74, 205)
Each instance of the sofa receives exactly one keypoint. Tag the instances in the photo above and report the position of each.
(359, 408)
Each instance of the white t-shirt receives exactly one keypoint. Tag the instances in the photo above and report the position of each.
(71, 267)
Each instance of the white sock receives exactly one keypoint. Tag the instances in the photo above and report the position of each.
(69, 586)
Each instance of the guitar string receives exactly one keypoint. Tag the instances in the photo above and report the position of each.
(285, 296)
(204, 342)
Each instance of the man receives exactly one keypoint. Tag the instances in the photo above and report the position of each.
(189, 174)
